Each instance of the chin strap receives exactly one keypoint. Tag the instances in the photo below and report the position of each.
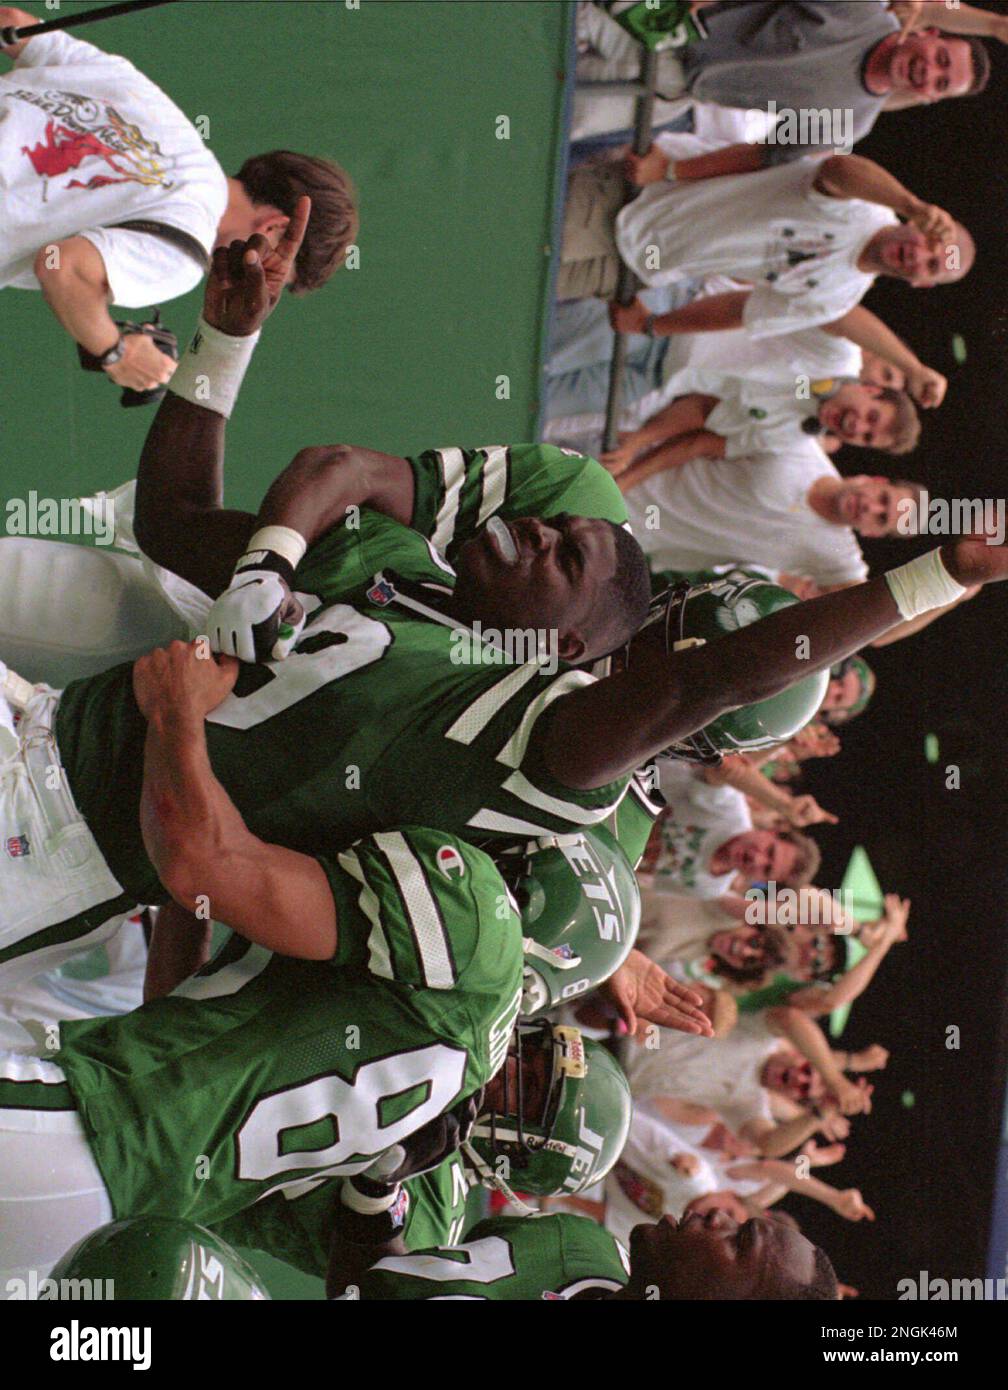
(489, 1178)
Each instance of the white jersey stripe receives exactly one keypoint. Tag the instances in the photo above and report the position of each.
(379, 957)
(493, 820)
(25, 1066)
(494, 482)
(229, 979)
(453, 473)
(519, 786)
(421, 910)
(474, 719)
(514, 750)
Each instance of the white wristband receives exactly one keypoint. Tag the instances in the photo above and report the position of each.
(282, 540)
(923, 585)
(357, 1201)
(212, 368)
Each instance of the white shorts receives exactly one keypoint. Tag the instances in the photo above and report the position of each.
(70, 611)
(51, 1192)
(51, 869)
(107, 980)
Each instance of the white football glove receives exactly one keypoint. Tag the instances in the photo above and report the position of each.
(256, 618)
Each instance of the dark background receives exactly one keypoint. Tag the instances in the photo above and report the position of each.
(928, 1171)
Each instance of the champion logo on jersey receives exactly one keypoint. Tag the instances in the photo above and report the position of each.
(381, 593)
(17, 846)
(449, 861)
(554, 1297)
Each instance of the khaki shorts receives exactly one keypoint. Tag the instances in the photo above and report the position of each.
(589, 258)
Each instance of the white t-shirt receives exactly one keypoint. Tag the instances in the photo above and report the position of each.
(755, 417)
(699, 819)
(85, 140)
(778, 360)
(645, 1185)
(713, 512)
(722, 1073)
(675, 931)
(797, 247)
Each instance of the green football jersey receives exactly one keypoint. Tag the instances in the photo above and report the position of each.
(633, 820)
(263, 1071)
(296, 1226)
(381, 716)
(533, 1257)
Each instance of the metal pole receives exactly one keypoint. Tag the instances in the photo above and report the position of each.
(11, 34)
(628, 284)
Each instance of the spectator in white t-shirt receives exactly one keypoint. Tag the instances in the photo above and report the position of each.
(703, 844)
(790, 512)
(741, 1077)
(87, 142)
(809, 238)
(671, 1169)
(734, 418)
(577, 386)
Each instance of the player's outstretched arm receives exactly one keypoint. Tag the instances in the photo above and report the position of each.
(198, 842)
(180, 522)
(604, 731)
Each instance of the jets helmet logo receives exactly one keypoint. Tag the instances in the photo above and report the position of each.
(449, 861)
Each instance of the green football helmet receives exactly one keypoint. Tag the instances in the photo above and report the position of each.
(582, 1123)
(157, 1257)
(580, 910)
(709, 606)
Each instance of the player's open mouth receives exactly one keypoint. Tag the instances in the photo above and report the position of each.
(503, 540)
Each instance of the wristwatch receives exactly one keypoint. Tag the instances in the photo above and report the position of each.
(114, 354)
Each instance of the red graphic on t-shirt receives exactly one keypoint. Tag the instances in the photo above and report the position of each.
(67, 149)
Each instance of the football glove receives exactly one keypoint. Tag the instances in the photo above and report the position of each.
(257, 617)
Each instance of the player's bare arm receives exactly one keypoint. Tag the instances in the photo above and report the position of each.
(203, 852)
(180, 521)
(589, 738)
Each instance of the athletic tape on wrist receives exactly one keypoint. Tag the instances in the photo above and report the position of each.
(281, 540)
(356, 1200)
(212, 368)
(923, 585)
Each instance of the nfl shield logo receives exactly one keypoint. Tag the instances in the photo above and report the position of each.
(17, 846)
(381, 593)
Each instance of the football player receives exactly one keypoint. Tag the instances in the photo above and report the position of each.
(389, 674)
(564, 1256)
(264, 1070)
(553, 1119)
